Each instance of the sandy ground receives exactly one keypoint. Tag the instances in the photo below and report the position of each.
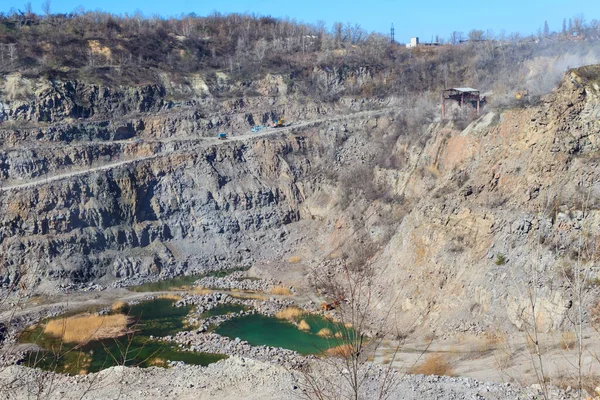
(507, 359)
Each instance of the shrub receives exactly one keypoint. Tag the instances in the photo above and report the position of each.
(304, 326)
(342, 351)
(325, 332)
(16, 88)
(568, 340)
(200, 290)
(595, 314)
(170, 296)
(289, 313)
(281, 290)
(500, 259)
(435, 364)
(118, 306)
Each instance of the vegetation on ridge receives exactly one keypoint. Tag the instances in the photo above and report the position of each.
(131, 49)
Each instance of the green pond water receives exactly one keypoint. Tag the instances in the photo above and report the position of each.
(178, 283)
(166, 285)
(260, 330)
(156, 317)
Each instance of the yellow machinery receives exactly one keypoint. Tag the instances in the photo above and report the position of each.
(521, 94)
(280, 123)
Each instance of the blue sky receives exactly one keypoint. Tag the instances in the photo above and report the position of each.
(411, 18)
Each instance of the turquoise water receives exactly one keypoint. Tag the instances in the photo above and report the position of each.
(156, 317)
(260, 330)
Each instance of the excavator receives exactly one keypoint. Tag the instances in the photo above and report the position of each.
(280, 123)
(521, 94)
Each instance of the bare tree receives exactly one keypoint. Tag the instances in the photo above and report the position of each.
(456, 37)
(337, 32)
(476, 35)
(12, 52)
(90, 57)
(578, 23)
(28, 9)
(346, 371)
(46, 8)
(578, 278)
(570, 26)
(260, 49)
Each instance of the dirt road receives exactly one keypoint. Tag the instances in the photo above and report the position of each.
(201, 140)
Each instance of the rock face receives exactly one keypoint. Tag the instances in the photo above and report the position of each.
(56, 101)
(121, 221)
(114, 182)
(507, 204)
(460, 220)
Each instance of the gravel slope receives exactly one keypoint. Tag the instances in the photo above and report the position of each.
(234, 378)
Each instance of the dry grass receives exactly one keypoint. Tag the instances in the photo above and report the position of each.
(159, 362)
(503, 351)
(35, 300)
(334, 255)
(118, 306)
(568, 340)
(182, 288)
(595, 314)
(325, 332)
(200, 290)
(281, 290)
(16, 87)
(303, 326)
(83, 362)
(294, 260)
(495, 338)
(482, 344)
(435, 364)
(340, 351)
(290, 313)
(338, 335)
(83, 328)
(564, 380)
(503, 359)
(433, 170)
(170, 296)
(249, 295)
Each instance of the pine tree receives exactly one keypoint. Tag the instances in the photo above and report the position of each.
(564, 28)
(546, 29)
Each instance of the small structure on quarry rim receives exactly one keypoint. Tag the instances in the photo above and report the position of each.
(462, 95)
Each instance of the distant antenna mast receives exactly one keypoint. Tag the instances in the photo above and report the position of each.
(392, 34)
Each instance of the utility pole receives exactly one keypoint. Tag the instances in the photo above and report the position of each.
(392, 41)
